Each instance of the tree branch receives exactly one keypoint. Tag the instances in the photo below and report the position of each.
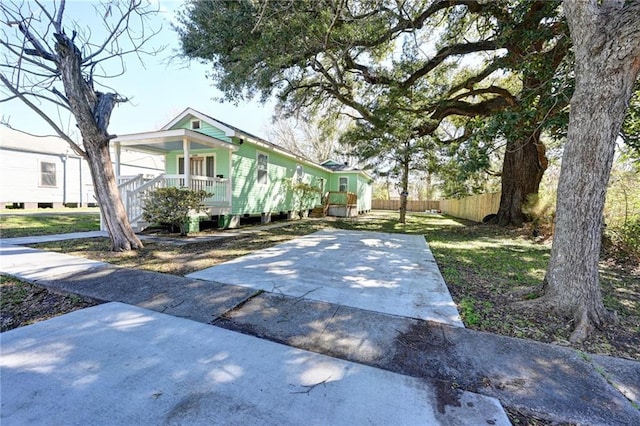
(115, 31)
(38, 48)
(443, 54)
(76, 148)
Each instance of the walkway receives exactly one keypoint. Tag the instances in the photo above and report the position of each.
(101, 353)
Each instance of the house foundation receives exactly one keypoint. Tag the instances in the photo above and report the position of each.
(228, 221)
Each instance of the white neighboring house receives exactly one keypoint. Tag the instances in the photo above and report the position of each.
(45, 172)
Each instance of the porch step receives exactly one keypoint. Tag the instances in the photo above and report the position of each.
(317, 212)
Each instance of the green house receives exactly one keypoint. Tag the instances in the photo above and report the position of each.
(246, 175)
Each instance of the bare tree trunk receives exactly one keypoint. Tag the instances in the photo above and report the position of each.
(405, 185)
(92, 111)
(524, 164)
(606, 44)
(113, 213)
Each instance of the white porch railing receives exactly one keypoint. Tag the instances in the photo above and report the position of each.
(133, 189)
(134, 198)
(219, 187)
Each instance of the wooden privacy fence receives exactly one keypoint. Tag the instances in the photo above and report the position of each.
(412, 205)
(473, 208)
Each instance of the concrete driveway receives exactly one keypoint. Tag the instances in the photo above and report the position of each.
(389, 273)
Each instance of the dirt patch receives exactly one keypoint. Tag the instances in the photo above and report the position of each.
(23, 303)
(513, 312)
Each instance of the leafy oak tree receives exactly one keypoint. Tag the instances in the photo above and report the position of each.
(379, 58)
(54, 64)
(606, 44)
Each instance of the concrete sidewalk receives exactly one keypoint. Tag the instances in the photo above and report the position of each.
(121, 365)
(36, 239)
(554, 382)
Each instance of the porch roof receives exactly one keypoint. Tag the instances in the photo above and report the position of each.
(164, 141)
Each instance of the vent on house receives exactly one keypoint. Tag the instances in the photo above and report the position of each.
(195, 124)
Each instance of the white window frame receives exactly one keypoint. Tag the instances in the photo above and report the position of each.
(346, 189)
(213, 155)
(195, 124)
(40, 174)
(260, 181)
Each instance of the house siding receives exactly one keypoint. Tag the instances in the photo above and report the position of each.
(358, 184)
(21, 156)
(276, 195)
(205, 128)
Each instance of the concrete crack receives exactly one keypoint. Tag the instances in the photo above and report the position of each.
(329, 322)
(236, 307)
(309, 388)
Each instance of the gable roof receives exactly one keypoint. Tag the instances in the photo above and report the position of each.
(232, 131)
(228, 131)
(15, 140)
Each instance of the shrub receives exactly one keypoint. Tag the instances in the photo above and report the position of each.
(172, 206)
(304, 194)
(623, 241)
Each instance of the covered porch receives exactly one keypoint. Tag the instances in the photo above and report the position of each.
(192, 160)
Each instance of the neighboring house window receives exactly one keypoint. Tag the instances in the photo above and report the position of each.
(195, 124)
(299, 173)
(47, 174)
(262, 168)
(343, 184)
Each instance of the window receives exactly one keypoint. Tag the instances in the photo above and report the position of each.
(199, 166)
(343, 184)
(262, 167)
(299, 174)
(195, 124)
(47, 174)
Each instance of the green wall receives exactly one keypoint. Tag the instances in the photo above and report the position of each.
(249, 197)
(205, 128)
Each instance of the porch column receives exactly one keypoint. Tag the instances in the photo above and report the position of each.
(187, 162)
(230, 178)
(116, 151)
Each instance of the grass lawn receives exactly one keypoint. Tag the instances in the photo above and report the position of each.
(18, 223)
(493, 273)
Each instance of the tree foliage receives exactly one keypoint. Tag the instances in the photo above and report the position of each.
(631, 128)
(415, 62)
(305, 195)
(309, 137)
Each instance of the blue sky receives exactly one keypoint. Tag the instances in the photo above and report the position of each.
(157, 91)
